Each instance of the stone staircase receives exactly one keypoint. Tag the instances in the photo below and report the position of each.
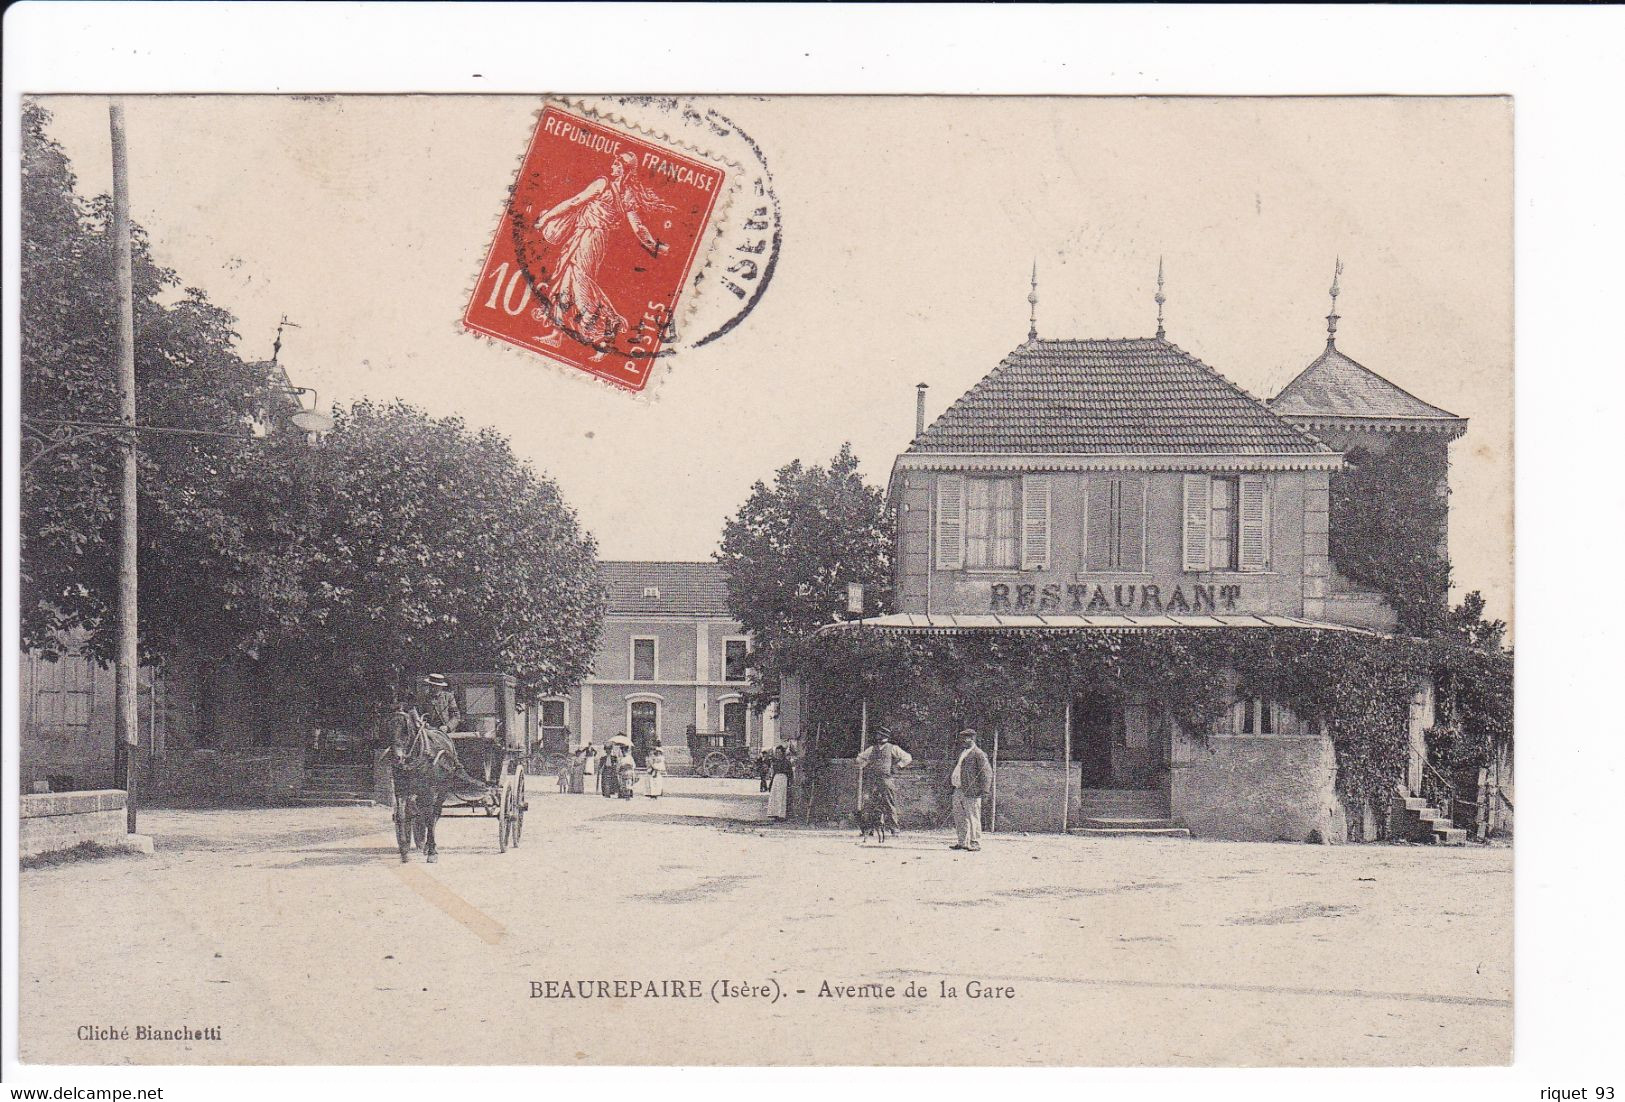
(1412, 819)
(1126, 813)
(331, 784)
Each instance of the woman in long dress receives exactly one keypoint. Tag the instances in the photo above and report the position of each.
(575, 302)
(626, 775)
(654, 784)
(778, 794)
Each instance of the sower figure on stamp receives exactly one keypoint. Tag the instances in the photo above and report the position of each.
(879, 765)
(972, 778)
(575, 301)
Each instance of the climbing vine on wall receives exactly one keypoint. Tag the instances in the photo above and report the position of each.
(1474, 683)
(1387, 513)
(925, 687)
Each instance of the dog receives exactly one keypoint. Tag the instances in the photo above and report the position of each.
(873, 824)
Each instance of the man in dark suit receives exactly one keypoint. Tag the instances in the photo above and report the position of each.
(440, 708)
(972, 779)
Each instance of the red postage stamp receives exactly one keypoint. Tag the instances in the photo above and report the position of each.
(595, 247)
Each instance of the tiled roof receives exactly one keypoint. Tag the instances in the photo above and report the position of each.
(666, 588)
(1336, 386)
(1109, 396)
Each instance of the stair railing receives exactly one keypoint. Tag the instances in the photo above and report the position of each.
(1438, 790)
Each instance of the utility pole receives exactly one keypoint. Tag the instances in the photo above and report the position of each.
(127, 669)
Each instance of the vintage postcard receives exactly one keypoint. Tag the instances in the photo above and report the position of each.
(573, 579)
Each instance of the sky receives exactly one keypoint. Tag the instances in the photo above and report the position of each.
(910, 228)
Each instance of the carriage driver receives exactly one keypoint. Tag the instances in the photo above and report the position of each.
(440, 703)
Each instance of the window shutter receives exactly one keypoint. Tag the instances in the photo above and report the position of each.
(1097, 542)
(950, 522)
(1131, 524)
(1035, 522)
(1198, 520)
(1254, 524)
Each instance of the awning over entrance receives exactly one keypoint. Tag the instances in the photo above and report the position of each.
(910, 623)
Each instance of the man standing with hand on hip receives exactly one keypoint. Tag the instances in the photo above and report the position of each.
(972, 779)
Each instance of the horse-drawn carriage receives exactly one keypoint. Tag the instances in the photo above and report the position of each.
(720, 754)
(487, 777)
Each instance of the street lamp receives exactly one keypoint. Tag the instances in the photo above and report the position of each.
(312, 422)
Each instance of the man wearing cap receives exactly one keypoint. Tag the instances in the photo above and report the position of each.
(971, 779)
(440, 703)
(880, 763)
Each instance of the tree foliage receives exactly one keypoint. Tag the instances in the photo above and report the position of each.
(187, 376)
(791, 550)
(1475, 697)
(422, 544)
(402, 542)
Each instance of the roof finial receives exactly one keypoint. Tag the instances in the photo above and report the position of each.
(1160, 299)
(1331, 318)
(1032, 304)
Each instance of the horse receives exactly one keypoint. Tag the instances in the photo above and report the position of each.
(424, 766)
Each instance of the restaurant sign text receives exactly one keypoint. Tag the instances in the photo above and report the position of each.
(1124, 600)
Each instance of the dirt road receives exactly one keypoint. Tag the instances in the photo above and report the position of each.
(298, 935)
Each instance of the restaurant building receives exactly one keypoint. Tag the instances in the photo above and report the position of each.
(670, 657)
(1090, 486)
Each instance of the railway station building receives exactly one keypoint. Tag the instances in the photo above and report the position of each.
(670, 657)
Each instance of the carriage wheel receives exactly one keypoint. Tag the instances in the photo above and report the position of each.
(715, 764)
(505, 822)
(519, 812)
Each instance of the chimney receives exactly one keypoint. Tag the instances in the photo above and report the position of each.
(919, 409)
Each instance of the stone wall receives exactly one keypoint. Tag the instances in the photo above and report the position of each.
(922, 794)
(1262, 788)
(65, 819)
(1029, 795)
(269, 775)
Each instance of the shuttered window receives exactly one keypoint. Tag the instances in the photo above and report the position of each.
(1035, 514)
(1097, 521)
(1198, 521)
(993, 529)
(1114, 525)
(1131, 524)
(950, 522)
(1227, 523)
(64, 692)
(1253, 525)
